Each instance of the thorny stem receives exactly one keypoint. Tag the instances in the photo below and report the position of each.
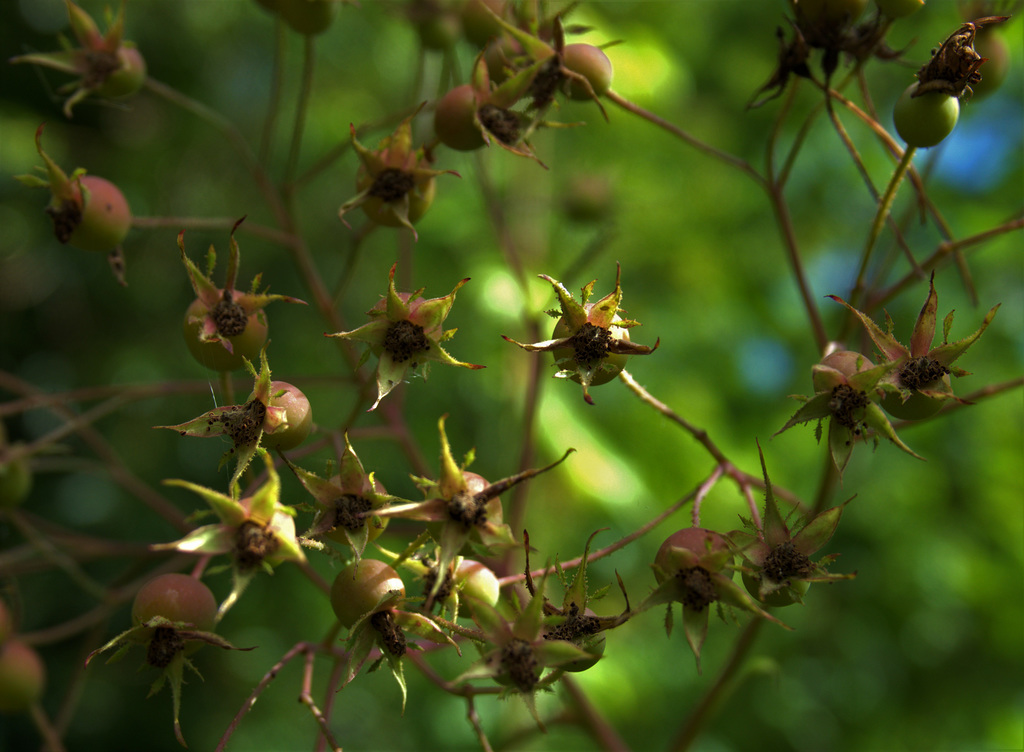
(826, 483)
(51, 737)
(705, 709)
(744, 480)
(884, 205)
(602, 731)
(313, 576)
(126, 391)
(608, 550)
(60, 559)
(227, 387)
(698, 433)
(303, 261)
(945, 249)
(740, 164)
(76, 546)
(702, 492)
(897, 151)
(301, 108)
(781, 211)
(460, 690)
(724, 466)
(306, 698)
(230, 130)
(119, 472)
(798, 141)
(276, 76)
(499, 221)
(214, 223)
(855, 156)
(114, 598)
(330, 693)
(302, 648)
(474, 721)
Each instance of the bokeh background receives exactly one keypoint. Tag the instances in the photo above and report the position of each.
(924, 650)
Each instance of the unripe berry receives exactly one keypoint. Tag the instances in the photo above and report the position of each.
(297, 411)
(846, 362)
(478, 25)
(6, 623)
(588, 198)
(176, 597)
(611, 363)
(899, 8)
(437, 23)
(991, 45)
(453, 119)
(214, 355)
(358, 589)
(591, 63)
(830, 12)
(478, 581)
(380, 209)
(102, 217)
(696, 539)
(127, 79)
(925, 120)
(308, 16)
(786, 596)
(15, 482)
(22, 677)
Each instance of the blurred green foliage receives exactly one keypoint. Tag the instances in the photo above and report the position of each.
(923, 650)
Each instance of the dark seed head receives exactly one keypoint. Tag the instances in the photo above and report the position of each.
(519, 662)
(404, 340)
(500, 123)
(164, 645)
(391, 184)
(590, 345)
(66, 218)
(785, 562)
(698, 589)
(253, 543)
(229, 317)
(919, 372)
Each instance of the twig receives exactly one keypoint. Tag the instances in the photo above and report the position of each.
(602, 731)
(705, 709)
(302, 107)
(740, 164)
(306, 698)
(214, 223)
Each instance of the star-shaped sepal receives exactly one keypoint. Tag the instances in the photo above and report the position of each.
(222, 314)
(918, 384)
(574, 621)
(467, 506)
(590, 342)
(850, 403)
(167, 644)
(105, 64)
(777, 566)
(346, 502)
(385, 627)
(244, 424)
(516, 654)
(257, 530)
(405, 334)
(396, 183)
(694, 567)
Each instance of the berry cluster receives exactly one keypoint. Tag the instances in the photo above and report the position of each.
(463, 586)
